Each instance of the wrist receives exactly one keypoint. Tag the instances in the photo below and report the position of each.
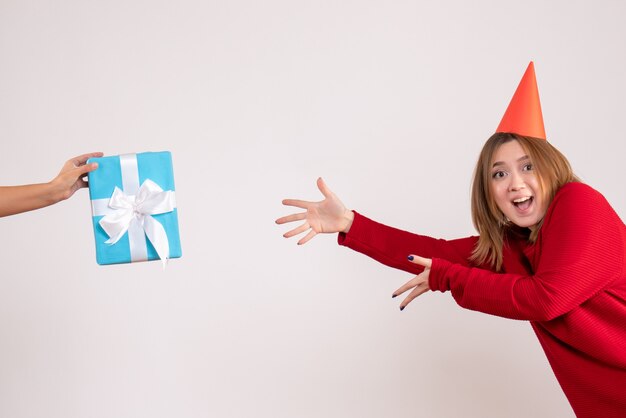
(348, 217)
(54, 192)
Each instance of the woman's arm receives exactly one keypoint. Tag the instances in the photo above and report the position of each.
(387, 245)
(391, 246)
(17, 199)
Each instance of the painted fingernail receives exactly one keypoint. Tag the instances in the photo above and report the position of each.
(401, 308)
(393, 296)
(410, 258)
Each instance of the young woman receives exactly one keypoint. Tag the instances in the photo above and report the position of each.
(550, 250)
(17, 199)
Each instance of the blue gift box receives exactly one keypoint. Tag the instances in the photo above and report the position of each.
(125, 178)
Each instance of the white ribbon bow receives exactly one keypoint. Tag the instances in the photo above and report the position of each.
(135, 212)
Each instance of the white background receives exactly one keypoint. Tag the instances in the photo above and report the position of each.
(389, 101)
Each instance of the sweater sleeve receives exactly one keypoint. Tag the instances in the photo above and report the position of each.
(581, 253)
(391, 246)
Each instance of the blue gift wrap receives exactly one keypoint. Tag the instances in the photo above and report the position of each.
(117, 189)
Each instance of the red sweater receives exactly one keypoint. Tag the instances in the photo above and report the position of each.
(570, 285)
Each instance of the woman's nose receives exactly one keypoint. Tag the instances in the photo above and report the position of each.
(517, 182)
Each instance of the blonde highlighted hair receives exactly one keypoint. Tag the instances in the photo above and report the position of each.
(552, 170)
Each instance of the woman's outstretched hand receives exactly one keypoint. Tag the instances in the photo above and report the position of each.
(326, 216)
(419, 283)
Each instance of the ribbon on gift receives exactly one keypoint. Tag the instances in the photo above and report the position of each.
(131, 211)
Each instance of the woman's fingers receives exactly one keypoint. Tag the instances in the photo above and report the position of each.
(291, 218)
(308, 236)
(407, 286)
(297, 230)
(420, 289)
(80, 183)
(418, 285)
(321, 185)
(325, 216)
(302, 204)
(424, 262)
(86, 168)
(82, 159)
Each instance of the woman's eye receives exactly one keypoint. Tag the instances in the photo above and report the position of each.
(528, 167)
(498, 174)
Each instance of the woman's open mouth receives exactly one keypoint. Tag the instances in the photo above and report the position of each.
(523, 203)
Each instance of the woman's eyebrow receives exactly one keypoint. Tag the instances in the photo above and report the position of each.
(499, 163)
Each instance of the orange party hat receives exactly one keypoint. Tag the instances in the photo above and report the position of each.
(523, 116)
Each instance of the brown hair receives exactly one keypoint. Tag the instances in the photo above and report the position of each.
(552, 170)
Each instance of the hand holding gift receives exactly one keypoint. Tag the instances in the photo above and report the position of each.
(18, 199)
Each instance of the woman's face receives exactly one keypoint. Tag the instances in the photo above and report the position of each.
(515, 186)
